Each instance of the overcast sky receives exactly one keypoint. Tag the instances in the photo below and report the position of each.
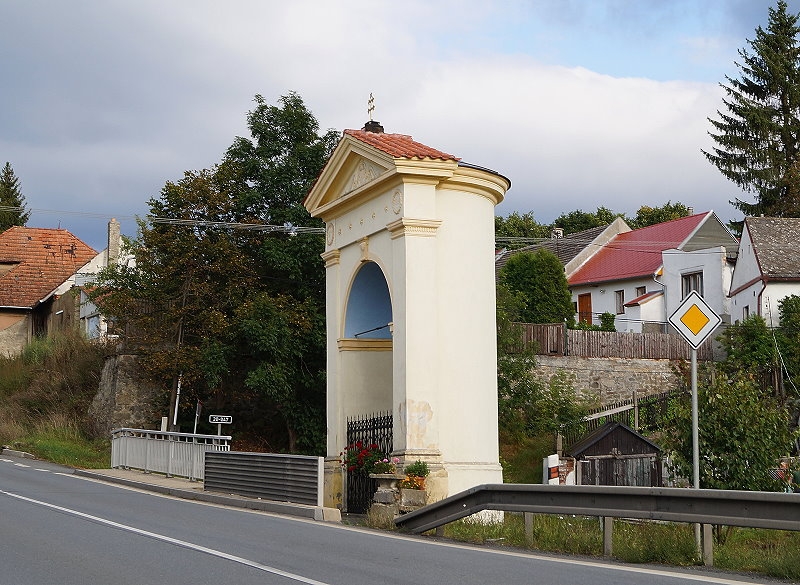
(579, 102)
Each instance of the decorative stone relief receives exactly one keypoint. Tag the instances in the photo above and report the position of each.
(364, 173)
(397, 201)
(331, 233)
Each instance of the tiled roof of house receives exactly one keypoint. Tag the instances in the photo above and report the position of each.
(399, 145)
(775, 241)
(636, 253)
(36, 261)
(565, 248)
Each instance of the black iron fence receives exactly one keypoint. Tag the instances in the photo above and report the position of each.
(373, 429)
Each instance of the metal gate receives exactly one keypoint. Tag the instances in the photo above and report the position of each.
(369, 429)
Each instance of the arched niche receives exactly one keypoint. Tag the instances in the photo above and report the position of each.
(369, 305)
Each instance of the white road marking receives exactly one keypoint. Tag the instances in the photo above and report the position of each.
(170, 540)
(21, 465)
(40, 469)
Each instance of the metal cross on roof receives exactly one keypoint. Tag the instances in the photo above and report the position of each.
(370, 106)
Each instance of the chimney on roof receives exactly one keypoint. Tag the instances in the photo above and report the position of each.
(691, 210)
(556, 233)
(373, 126)
(113, 241)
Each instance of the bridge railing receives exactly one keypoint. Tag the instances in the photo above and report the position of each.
(773, 510)
(180, 454)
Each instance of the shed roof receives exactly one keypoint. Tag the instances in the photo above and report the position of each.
(36, 261)
(585, 444)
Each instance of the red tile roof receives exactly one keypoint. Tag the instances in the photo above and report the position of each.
(399, 145)
(636, 253)
(41, 260)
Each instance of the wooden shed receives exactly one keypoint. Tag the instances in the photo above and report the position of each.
(617, 455)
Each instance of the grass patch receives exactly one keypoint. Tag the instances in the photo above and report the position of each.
(522, 458)
(775, 553)
(46, 392)
(654, 542)
(59, 439)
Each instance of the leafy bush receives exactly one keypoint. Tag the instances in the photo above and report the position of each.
(417, 469)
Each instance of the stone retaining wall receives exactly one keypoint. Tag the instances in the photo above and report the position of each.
(611, 379)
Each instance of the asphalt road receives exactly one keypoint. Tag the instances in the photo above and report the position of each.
(56, 527)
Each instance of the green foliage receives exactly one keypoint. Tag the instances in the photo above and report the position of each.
(518, 226)
(772, 552)
(578, 220)
(361, 458)
(607, 321)
(758, 135)
(749, 347)
(646, 215)
(647, 542)
(45, 394)
(526, 405)
(10, 196)
(789, 336)
(538, 278)
(743, 430)
(417, 469)
(238, 314)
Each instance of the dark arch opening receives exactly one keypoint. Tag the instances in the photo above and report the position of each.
(369, 306)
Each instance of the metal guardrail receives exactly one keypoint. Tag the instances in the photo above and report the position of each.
(778, 511)
(180, 454)
(730, 508)
(284, 478)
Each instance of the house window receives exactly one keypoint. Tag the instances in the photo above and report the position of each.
(641, 291)
(619, 297)
(746, 312)
(692, 282)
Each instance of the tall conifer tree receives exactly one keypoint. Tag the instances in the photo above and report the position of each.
(757, 136)
(10, 197)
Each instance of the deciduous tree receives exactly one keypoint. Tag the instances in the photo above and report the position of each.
(233, 311)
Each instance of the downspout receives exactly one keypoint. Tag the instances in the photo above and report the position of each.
(664, 287)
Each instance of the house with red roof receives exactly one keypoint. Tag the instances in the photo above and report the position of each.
(642, 275)
(37, 267)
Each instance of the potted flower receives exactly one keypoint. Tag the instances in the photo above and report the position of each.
(385, 466)
(412, 486)
(361, 458)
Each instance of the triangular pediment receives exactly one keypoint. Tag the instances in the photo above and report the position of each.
(353, 167)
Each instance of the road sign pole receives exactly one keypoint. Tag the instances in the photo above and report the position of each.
(695, 444)
(695, 424)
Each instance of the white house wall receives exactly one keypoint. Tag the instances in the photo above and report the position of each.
(604, 300)
(717, 273)
(747, 268)
(773, 294)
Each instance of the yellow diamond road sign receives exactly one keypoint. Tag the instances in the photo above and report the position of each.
(694, 319)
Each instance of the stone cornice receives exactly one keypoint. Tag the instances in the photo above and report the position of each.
(331, 257)
(365, 344)
(407, 226)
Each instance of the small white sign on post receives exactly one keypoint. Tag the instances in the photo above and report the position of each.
(219, 420)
